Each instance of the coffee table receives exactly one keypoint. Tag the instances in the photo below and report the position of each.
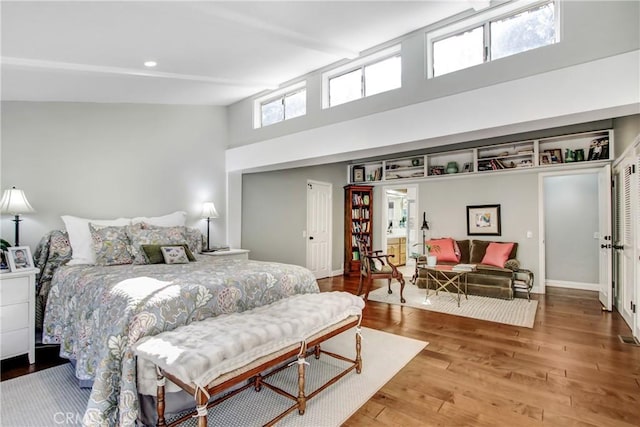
(445, 275)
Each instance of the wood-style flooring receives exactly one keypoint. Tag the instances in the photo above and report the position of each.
(571, 369)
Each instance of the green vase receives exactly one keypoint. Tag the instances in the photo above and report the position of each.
(452, 167)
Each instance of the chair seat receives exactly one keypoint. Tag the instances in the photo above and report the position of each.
(384, 269)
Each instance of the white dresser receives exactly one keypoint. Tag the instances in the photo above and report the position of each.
(17, 313)
(230, 254)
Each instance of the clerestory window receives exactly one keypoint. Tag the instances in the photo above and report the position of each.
(499, 32)
(281, 105)
(364, 77)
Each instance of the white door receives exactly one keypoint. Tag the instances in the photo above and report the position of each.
(605, 293)
(319, 206)
(625, 240)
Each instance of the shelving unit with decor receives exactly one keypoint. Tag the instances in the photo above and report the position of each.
(570, 150)
(582, 147)
(462, 159)
(507, 156)
(365, 172)
(407, 167)
(358, 224)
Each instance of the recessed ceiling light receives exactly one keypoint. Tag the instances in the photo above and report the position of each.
(150, 64)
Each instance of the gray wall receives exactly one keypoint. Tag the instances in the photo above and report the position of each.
(274, 213)
(571, 218)
(110, 160)
(580, 43)
(627, 129)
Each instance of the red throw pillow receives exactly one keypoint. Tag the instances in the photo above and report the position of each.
(497, 254)
(443, 249)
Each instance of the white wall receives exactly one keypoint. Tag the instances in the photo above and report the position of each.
(110, 160)
(571, 219)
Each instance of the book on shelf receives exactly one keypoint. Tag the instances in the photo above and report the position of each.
(464, 267)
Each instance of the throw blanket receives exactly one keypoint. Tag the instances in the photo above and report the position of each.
(200, 352)
(97, 313)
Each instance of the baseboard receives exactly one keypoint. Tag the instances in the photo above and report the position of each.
(335, 273)
(573, 285)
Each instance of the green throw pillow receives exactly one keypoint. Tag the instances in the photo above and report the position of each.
(153, 253)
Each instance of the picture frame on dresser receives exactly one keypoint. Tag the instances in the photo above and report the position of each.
(4, 262)
(20, 258)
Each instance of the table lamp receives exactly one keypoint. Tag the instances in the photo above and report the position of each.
(209, 212)
(15, 202)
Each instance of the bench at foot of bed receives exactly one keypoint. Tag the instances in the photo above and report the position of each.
(207, 357)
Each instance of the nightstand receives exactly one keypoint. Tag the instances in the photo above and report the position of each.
(17, 313)
(229, 254)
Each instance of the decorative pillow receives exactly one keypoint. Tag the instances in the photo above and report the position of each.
(111, 244)
(80, 237)
(193, 235)
(194, 240)
(443, 249)
(176, 219)
(497, 254)
(174, 255)
(478, 249)
(153, 253)
(154, 236)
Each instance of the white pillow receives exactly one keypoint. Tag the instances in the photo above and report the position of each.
(176, 219)
(80, 237)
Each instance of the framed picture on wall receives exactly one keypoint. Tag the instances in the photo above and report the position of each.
(483, 220)
(358, 174)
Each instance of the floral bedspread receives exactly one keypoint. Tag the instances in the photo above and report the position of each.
(97, 313)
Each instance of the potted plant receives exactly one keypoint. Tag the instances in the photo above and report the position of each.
(432, 259)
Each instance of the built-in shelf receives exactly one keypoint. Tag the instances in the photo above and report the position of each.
(563, 150)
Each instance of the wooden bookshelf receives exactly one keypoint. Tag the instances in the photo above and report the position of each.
(358, 224)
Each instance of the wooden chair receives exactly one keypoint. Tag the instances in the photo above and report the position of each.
(376, 265)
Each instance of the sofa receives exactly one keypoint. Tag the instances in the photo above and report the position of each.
(493, 278)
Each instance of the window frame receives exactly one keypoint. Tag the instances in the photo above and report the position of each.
(361, 64)
(484, 19)
(273, 96)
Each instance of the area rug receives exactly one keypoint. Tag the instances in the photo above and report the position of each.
(517, 312)
(52, 397)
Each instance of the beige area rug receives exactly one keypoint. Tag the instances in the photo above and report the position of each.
(52, 397)
(517, 312)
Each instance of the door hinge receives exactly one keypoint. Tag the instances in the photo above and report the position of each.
(633, 168)
(633, 307)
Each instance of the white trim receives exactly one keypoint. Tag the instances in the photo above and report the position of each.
(353, 65)
(573, 285)
(335, 273)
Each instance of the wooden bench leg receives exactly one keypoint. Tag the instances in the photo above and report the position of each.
(160, 398)
(302, 400)
(257, 383)
(358, 349)
(201, 406)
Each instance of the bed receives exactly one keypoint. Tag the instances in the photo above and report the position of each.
(96, 313)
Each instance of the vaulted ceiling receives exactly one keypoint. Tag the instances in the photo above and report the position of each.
(207, 52)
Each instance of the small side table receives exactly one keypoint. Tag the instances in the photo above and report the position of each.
(17, 313)
(523, 280)
(445, 275)
(229, 253)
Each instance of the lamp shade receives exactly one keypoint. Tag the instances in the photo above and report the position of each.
(15, 202)
(209, 210)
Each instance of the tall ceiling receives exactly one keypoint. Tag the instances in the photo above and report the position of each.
(208, 52)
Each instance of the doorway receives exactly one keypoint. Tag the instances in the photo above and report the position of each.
(399, 225)
(575, 230)
(319, 208)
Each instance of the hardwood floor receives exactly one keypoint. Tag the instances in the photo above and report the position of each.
(571, 369)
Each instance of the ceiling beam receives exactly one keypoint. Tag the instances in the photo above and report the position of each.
(101, 69)
(269, 29)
